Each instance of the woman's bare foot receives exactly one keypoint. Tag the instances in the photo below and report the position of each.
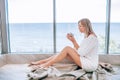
(33, 63)
(45, 65)
(36, 63)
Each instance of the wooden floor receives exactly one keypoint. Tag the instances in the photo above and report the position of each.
(14, 72)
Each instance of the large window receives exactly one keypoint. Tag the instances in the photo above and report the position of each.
(30, 25)
(115, 27)
(68, 12)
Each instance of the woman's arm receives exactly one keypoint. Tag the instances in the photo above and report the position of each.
(76, 46)
(72, 39)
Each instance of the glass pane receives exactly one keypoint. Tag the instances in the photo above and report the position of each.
(70, 11)
(30, 25)
(115, 27)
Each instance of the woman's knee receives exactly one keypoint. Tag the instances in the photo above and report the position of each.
(67, 48)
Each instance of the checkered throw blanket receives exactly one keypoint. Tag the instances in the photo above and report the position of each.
(68, 72)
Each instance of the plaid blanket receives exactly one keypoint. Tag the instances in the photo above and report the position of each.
(68, 72)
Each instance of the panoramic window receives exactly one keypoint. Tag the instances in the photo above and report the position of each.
(115, 27)
(30, 25)
(68, 12)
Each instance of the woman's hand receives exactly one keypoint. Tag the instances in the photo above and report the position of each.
(71, 37)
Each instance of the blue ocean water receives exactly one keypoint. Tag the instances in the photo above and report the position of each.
(38, 37)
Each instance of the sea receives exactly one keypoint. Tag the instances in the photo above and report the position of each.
(39, 37)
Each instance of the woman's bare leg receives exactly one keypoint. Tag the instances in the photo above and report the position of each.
(45, 60)
(42, 61)
(67, 51)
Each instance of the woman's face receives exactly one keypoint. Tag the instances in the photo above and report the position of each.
(81, 28)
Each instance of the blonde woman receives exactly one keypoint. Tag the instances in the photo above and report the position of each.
(84, 55)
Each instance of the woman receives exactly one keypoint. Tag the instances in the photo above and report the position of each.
(84, 55)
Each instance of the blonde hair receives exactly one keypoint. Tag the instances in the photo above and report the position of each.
(87, 24)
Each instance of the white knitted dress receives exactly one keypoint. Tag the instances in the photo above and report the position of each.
(88, 53)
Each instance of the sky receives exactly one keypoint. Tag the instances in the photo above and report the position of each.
(35, 11)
